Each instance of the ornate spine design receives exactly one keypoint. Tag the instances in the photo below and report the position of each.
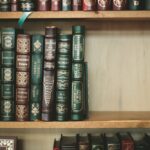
(22, 77)
(7, 71)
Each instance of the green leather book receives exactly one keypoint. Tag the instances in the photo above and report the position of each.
(7, 71)
(63, 75)
(36, 76)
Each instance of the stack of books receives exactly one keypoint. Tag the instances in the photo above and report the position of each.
(73, 5)
(118, 141)
(43, 77)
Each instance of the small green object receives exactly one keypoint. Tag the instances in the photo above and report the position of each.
(35, 111)
(23, 18)
(7, 110)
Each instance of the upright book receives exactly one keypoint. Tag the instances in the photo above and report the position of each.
(36, 77)
(49, 74)
(7, 78)
(22, 77)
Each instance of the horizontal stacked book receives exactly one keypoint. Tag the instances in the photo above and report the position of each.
(118, 141)
(40, 78)
(73, 5)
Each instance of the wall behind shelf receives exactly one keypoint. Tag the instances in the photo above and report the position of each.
(118, 54)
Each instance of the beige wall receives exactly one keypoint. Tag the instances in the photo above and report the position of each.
(118, 54)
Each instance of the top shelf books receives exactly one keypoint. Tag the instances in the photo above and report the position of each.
(86, 15)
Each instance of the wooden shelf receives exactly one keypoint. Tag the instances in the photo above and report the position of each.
(99, 15)
(97, 120)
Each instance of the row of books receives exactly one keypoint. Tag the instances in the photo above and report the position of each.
(67, 5)
(43, 77)
(118, 141)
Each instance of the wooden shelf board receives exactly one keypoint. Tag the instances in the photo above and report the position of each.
(96, 120)
(99, 15)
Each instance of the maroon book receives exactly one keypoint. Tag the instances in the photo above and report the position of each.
(89, 5)
(43, 5)
(22, 77)
(55, 5)
(49, 74)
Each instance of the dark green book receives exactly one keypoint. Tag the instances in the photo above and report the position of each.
(97, 142)
(36, 77)
(7, 71)
(139, 142)
(63, 75)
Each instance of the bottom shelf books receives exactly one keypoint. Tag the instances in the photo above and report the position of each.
(118, 141)
(8, 143)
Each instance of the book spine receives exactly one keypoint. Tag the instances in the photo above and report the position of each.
(78, 74)
(36, 77)
(49, 74)
(43, 5)
(22, 77)
(7, 71)
(63, 78)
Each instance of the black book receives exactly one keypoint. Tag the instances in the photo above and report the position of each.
(139, 142)
(84, 142)
(97, 142)
(68, 142)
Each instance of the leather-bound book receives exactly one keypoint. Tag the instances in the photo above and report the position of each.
(63, 77)
(49, 74)
(36, 77)
(84, 142)
(126, 141)
(97, 142)
(111, 142)
(22, 77)
(5, 5)
(56, 145)
(68, 143)
(7, 71)
(14, 5)
(43, 5)
(139, 142)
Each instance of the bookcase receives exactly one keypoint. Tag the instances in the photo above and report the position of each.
(118, 55)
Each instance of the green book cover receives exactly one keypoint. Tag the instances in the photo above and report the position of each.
(36, 76)
(7, 71)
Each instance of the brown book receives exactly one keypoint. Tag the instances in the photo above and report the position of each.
(49, 74)
(22, 77)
